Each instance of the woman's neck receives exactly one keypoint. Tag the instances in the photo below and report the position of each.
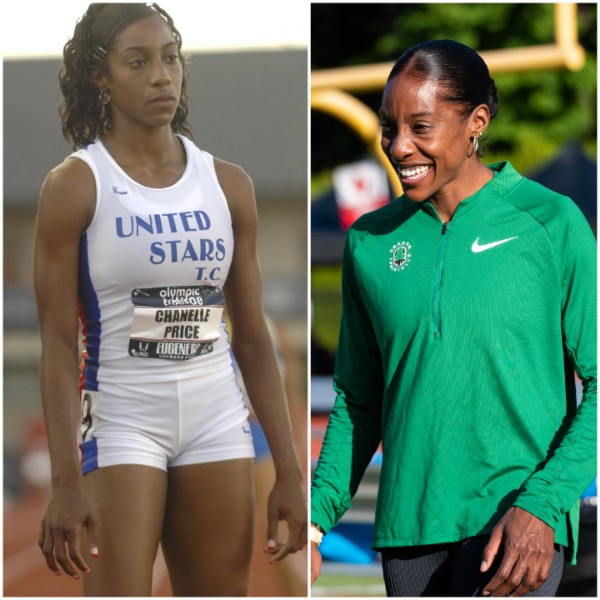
(447, 199)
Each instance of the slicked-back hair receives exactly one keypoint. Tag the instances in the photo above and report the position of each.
(462, 74)
(85, 56)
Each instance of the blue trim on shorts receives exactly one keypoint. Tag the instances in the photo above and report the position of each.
(89, 455)
(261, 446)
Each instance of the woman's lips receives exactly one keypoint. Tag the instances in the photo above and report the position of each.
(413, 175)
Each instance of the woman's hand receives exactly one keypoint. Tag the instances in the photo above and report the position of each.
(286, 503)
(67, 513)
(528, 553)
(316, 560)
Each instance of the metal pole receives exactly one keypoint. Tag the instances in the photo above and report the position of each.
(361, 119)
(566, 52)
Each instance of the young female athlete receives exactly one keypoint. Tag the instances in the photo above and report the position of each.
(145, 237)
(467, 305)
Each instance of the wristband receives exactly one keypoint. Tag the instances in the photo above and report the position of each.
(316, 535)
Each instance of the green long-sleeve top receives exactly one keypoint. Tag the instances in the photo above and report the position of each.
(457, 350)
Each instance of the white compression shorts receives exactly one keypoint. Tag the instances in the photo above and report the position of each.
(164, 425)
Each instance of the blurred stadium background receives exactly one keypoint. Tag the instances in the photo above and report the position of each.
(248, 83)
(543, 58)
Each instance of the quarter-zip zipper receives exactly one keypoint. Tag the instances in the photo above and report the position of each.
(437, 317)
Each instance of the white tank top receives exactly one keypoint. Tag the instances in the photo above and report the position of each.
(153, 263)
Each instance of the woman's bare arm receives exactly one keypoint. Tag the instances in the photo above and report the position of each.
(255, 354)
(65, 210)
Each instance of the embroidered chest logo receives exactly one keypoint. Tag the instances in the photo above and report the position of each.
(400, 255)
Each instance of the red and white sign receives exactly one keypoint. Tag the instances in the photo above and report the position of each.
(360, 187)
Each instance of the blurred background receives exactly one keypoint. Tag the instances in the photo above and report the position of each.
(543, 58)
(248, 83)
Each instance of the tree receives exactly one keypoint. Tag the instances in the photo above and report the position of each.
(539, 110)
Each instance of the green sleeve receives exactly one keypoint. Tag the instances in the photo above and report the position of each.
(354, 429)
(553, 490)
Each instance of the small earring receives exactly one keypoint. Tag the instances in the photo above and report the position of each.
(104, 97)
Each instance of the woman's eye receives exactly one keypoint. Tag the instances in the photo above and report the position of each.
(386, 128)
(137, 62)
(173, 58)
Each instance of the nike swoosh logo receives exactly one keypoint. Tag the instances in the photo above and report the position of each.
(477, 247)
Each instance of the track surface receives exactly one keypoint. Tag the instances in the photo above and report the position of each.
(25, 571)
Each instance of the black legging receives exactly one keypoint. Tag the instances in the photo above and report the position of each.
(451, 570)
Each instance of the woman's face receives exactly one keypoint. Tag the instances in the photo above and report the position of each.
(425, 138)
(145, 74)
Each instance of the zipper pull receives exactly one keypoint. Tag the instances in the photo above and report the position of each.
(444, 227)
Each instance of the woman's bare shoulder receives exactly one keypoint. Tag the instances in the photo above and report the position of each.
(70, 187)
(72, 173)
(238, 189)
(232, 177)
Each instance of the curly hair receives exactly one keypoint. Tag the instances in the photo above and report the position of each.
(83, 115)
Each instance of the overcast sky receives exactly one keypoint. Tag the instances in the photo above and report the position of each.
(34, 28)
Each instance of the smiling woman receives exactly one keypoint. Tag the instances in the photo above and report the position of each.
(143, 230)
(423, 137)
(438, 96)
(468, 304)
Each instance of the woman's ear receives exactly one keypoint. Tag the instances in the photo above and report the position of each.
(101, 81)
(480, 119)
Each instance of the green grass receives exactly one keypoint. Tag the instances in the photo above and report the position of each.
(338, 585)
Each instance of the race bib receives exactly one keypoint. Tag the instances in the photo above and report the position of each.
(175, 322)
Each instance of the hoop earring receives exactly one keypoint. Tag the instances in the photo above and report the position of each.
(104, 97)
(474, 140)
